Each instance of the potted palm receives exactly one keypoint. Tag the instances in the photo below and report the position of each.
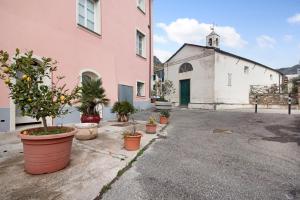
(132, 139)
(164, 116)
(151, 125)
(46, 149)
(91, 97)
(123, 110)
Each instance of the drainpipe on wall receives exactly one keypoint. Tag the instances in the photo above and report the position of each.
(150, 45)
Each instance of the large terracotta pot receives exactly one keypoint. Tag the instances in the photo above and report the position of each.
(90, 119)
(132, 142)
(47, 153)
(151, 128)
(163, 120)
(86, 131)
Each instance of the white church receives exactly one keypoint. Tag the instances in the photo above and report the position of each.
(210, 78)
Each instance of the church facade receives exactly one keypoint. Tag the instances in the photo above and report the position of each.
(209, 78)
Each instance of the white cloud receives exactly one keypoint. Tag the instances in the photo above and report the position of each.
(294, 19)
(185, 30)
(265, 41)
(159, 39)
(162, 55)
(288, 38)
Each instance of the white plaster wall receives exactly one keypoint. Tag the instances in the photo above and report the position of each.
(238, 93)
(201, 78)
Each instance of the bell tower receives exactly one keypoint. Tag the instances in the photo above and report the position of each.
(213, 39)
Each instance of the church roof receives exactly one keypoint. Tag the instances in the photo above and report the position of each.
(213, 33)
(224, 53)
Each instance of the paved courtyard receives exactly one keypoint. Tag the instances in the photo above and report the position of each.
(94, 163)
(218, 155)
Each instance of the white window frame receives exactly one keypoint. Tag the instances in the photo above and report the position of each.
(144, 43)
(141, 5)
(143, 94)
(97, 16)
(229, 79)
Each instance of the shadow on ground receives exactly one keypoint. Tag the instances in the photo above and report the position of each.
(284, 133)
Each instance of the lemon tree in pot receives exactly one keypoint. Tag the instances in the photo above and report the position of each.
(123, 109)
(46, 149)
(151, 125)
(91, 97)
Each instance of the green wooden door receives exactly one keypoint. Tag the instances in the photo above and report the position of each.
(184, 92)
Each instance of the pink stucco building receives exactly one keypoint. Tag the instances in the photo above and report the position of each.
(89, 38)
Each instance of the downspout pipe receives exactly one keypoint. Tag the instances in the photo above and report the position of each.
(150, 45)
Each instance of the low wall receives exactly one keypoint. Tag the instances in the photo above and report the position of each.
(272, 99)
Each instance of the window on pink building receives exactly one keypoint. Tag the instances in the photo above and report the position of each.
(142, 5)
(140, 44)
(140, 89)
(89, 14)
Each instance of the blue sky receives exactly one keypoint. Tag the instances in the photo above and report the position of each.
(267, 31)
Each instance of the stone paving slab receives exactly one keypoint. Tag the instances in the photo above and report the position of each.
(94, 163)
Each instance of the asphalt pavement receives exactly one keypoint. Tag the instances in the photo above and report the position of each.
(217, 155)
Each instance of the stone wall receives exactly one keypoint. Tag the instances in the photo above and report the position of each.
(270, 96)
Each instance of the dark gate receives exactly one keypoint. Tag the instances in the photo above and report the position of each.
(125, 93)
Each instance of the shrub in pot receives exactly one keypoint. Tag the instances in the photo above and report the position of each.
(123, 109)
(92, 95)
(46, 149)
(151, 125)
(164, 117)
(132, 139)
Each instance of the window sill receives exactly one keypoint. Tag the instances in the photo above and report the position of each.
(142, 11)
(138, 55)
(88, 30)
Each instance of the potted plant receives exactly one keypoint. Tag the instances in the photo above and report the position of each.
(46, 149)
(91, 97)
(151, 125)
(132, 139)
(165, 89)
(123, 110)
(164, 116)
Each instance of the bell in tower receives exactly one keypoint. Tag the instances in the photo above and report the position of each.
(213, 39)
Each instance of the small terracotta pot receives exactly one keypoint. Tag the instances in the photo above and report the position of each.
(132, 142)
(47, 153)
(90, 119)
(163, 120)
(151, 128)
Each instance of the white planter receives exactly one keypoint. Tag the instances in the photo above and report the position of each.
(162, 105)
(86, 131)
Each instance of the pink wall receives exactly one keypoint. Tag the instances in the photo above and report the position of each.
(49, 29)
